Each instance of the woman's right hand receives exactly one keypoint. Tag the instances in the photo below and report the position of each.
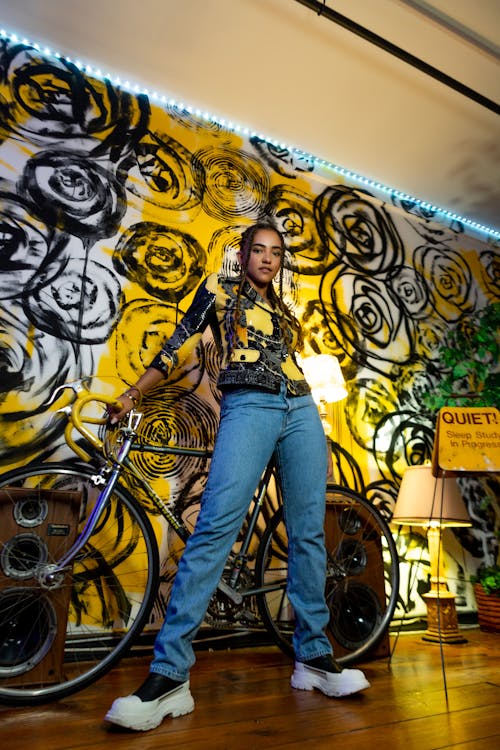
(125, 403)
(132, 397)
(119, 409)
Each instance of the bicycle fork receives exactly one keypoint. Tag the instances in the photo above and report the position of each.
(51, 575)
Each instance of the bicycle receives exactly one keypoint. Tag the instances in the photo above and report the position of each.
(80, 573)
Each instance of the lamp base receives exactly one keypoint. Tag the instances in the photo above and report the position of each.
(442, 623)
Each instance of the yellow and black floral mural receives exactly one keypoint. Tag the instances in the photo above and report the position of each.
(113, 209)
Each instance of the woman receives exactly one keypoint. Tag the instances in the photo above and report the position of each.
(266, 408)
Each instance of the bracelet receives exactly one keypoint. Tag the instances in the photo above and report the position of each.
(134, 400)
(139, 391)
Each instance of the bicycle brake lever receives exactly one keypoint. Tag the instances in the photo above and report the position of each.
(65, 410)
(76, 385)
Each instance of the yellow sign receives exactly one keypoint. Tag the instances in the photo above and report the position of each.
(467, 440)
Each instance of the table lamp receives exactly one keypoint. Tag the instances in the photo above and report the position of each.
(327, 383)
(434, 503)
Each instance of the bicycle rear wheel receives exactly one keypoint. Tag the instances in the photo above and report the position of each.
(362, 580)
(55, 641)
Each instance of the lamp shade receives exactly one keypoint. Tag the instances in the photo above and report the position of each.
(426, 500)
(323, 373)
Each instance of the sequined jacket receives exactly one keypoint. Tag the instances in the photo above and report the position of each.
(258, 358)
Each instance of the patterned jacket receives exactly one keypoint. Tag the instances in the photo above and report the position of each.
(259, 357)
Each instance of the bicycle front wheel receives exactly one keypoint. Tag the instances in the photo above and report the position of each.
(59, 635)
(362, 580)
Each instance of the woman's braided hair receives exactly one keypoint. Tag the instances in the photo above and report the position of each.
(289, 324)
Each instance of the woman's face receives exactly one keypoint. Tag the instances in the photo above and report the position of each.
(265, 259)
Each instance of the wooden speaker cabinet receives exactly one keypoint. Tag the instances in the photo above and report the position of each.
(36, 526)
(353, 541)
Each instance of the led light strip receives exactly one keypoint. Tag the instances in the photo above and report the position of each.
(248, 132)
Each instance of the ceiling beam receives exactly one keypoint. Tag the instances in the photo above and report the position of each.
(322, 9)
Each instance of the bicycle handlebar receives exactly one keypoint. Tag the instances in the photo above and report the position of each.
(128, 424)
(77, 421)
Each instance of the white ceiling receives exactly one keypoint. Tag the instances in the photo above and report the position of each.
(291, 74)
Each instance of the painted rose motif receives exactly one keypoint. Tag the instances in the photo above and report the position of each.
(234, 183)
(292, 210)
(143, 326)
(449, 279)
(370, 320)
(74, 194)
(490, 271)
(358, 231)
(26, 246)
(32, 364)
(402, 439)
(77, 301)
(165, 262)
(44, 100)
(281, 159)
(409, 287)
(160, 174)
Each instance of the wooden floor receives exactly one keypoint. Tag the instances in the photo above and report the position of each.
(244, 701)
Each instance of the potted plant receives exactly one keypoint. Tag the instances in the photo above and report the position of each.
(486, 584)
(469, 357)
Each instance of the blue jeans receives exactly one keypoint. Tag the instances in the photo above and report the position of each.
(253, 425)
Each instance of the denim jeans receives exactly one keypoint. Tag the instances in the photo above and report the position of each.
(253, 425)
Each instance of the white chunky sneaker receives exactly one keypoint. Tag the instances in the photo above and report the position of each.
(326, 675)
(132, 712)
